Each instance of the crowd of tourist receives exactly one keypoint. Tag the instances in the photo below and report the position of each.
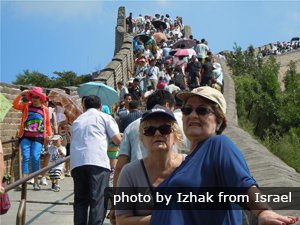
(164, 56)
(165, 131)
(280, 48)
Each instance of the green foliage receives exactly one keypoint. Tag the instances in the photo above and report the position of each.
(268, 77)
(286, 147)
(244, 63)
(5, 106)
(292, 79)
(263, 108)
(62, 79)
(247, 95)
(290, 109)
(236, 61)
(6, 178)
(33, 78)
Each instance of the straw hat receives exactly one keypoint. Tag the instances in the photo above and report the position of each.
(205, 92)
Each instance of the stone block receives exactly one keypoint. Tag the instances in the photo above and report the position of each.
(103, 76)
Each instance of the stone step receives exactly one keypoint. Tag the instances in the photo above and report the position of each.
(12, 120)
(10, 97)
(8, 133)
(8, 126)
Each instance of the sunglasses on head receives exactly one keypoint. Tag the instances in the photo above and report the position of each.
(200, 110)
(163, 130)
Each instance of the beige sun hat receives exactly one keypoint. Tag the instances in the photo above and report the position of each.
(56, 137)
(205, 92)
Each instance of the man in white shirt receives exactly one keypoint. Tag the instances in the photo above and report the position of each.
(90, 167)
(122, 90)
(202, 49)
(153, 72)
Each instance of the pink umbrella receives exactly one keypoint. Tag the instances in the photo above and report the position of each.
(185, 52)
(173, 51)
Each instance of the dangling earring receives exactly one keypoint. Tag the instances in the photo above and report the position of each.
(218, 126)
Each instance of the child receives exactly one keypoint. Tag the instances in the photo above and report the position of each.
(56, 152)
(64, 129)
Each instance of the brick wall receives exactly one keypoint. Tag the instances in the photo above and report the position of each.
(9, 126)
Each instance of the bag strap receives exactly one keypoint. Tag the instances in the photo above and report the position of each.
(147, 177)
(218, 76)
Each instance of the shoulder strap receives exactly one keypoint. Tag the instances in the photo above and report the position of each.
(218, 76)
(147, 177)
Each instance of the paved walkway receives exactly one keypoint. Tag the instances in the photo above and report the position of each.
(43, 212)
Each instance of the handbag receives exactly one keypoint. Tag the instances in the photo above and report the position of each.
(4, 203)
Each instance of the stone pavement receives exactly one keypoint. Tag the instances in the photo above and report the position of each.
(44, 212)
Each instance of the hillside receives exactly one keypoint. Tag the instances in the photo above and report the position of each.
(284, 61)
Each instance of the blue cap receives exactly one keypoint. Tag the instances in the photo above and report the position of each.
(158, 110)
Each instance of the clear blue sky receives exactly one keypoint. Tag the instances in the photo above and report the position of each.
(48, 36)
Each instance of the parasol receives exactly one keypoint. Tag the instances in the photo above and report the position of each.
(72, 109)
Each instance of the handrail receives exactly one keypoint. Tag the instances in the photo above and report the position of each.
(10, 141)
(32, 175)
(21, 214)
(20, 218)
(11, 156)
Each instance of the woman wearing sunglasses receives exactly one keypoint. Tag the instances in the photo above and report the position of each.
(214, 161)
(159, 132)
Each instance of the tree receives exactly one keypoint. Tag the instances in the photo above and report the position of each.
(235, 61)
(291, 79)
(290, 110)
(268, 77)
(63, 79)
(33, 78)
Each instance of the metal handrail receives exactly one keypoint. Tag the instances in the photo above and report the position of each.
(21, 214)
(10, 141)
(32, 175)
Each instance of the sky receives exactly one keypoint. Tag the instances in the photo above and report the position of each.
(79, 36)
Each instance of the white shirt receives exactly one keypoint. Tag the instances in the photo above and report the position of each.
(172, 88)
(123, 92)
(89, 139)
(153, 72)
(131, 145)
(54, 156)
(51, 111)
(201, 50)
(186, 142)
(60, 115)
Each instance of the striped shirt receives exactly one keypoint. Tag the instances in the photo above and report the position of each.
(132, 116)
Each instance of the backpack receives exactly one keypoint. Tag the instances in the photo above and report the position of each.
(179, 80)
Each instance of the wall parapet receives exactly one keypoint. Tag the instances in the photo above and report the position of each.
(123, 60)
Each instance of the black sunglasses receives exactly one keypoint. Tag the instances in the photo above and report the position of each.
(201, 111)
(163, 130)
(34, 97)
